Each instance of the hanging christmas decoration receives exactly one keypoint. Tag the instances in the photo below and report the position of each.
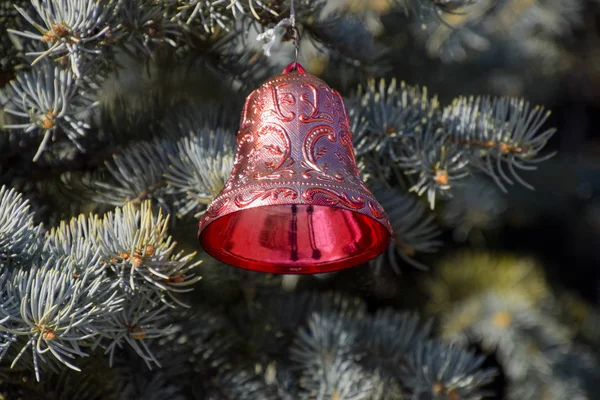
(295, 202)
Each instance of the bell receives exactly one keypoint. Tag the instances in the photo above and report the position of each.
(295, 202)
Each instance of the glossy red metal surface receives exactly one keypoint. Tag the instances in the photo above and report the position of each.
(294, 239)
(295, 202)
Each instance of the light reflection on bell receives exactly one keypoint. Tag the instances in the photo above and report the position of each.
(294, 202)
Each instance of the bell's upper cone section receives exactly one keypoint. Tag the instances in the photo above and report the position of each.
(294, 127)
(294, 146)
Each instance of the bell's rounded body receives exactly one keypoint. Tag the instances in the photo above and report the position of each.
(295, 202)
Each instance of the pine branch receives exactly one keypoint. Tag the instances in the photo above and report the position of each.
(438, 149)
(436, 369)
(134, 245)
(139, 321)
(350, 357)
(346, 36)
(147, 27)
(522, 339)
(381, 114)
(499, 132)
(221, 15)
(325, 351)
(19, 236)
(475, 206)
(137, 175)
(458, 31)
(388, 336)
(57, 308)
(73, 29)
(198, 172)
(436, 163)
(46, 101)
(415, 230)
(94, 282)
(183, 171)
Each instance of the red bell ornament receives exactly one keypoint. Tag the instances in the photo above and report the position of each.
(295, 202)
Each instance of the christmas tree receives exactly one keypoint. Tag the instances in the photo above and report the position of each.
(118, 129)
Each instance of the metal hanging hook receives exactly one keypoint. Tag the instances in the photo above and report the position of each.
(294, 33)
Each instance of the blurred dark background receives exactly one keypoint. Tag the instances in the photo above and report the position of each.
(559, 222)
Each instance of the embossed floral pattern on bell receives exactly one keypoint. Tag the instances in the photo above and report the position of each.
(294, 147)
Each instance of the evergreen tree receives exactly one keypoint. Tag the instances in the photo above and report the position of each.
(117, 130)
